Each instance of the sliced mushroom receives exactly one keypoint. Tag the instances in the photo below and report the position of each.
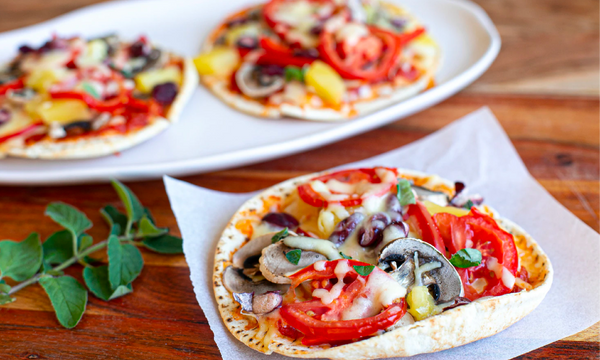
(399, 256)
(435, 197)
(259, 304)
(247, 256)
(275, 266)
(235, 281)
(253, 83)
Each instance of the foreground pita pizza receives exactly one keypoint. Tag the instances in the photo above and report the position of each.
(373, 263)
(318, 59)
(77, 98)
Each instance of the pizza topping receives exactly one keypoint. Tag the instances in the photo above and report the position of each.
(258, 81)
(5, 116)
(275, 265)
(165, 93)
(235, 281)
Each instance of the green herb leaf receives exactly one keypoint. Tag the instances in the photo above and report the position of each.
(4, 288)
(96, 279)
(84, 242)
(404, 193)
(149, 215)
(293, 73)
(88, 88)
(345, 256)
(363, 270)
(469, 205)
(280, 235)
(466, 258)
(293, 256)
(132, 205)
(68, 297)
(58, 247)
(124, 262)
(54, 272)
(166, 244)
(146, 228)
(21, 260)
(68, 217)
(5, 299)
(113, 217)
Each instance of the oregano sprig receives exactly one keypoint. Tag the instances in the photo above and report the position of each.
(30, 261)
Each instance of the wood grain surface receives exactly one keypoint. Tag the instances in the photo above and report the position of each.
(543, 88)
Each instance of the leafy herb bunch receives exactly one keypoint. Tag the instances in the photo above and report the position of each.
(29, 261)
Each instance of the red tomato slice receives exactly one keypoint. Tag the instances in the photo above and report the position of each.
(319, 322)
(311, 197)
(489, 239)
(420, 221)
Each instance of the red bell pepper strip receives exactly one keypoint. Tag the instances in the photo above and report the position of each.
(421, 221)
(20, 132)
(11, 85)
(279, 54)
(103, 106)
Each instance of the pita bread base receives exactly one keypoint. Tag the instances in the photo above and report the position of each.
(459, 326)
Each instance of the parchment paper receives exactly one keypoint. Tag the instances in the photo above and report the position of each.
(476, 150)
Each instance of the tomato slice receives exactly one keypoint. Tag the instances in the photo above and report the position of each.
(279, 54)
(357, 66)
(313, 198)
(481, 232)
(420, 221)
(319, 323)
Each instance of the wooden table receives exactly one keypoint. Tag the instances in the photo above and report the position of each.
(543, 88)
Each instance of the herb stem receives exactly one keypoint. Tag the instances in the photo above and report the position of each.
(60, 267)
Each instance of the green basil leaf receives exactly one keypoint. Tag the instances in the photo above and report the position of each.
(113, 217)
(21, 260)
(404, 193)
(5, 299)
(280, 235)
(96, 279)
(363, 270)
(132, 205)
(293, 73)
(293, 256)
(345, 256)
(166, 244)
(91, 261)
(68, 297)
(124, 262)
(88, 88)
(469, 205)
(146, 228)
(84, 241)
(466, 258)
(68, 217)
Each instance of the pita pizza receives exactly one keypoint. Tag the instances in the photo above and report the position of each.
(81, 98)
(373, 263)
(326, 60)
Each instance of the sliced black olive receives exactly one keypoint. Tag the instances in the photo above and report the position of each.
(247, 42)
(78, 127)
(165, 93)
(281, 220)
(139, 49)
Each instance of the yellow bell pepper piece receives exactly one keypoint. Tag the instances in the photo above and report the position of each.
(220, 61)
(420, 303)
(435, 208)
(328, 84)
(63, 111)
(41, 79)
(147, 80)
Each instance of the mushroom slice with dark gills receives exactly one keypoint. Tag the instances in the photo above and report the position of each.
(275, 266)
(259, 304)
(257, 81)
(416, 263)
(236, 282)
(435, 197)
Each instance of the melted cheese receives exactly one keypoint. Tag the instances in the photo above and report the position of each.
(493, 265)
(327, 296)
(324, 247)
(508, 279)
(351, 33)
(320, 265)
(479, 285)
(420, 270)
